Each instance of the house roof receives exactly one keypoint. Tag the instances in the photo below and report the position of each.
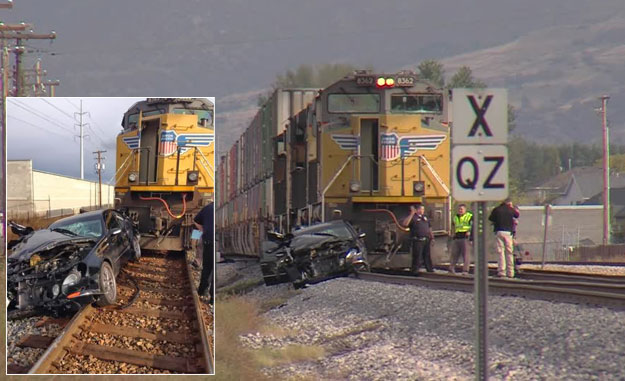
(617, 200)
(588, 179)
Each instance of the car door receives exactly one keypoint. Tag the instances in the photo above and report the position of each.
(114, 238)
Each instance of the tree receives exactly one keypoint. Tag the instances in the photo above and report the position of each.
(433, 71)
(617, 163)
(318, 76)
(464, 79)
(313, 76)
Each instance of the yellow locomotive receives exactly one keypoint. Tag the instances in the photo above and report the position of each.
(165, 168)
(363, 149)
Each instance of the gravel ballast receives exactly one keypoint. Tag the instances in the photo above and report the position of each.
(372, 330)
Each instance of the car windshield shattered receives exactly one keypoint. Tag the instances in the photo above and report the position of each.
(86, 227)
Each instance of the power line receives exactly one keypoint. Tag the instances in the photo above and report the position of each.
(76, 107)
(47, 119)
(62, 111)
(38, 127)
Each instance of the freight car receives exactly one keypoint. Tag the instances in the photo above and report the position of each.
(363, 149)
(165, 168)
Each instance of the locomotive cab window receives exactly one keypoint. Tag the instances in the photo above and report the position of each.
(204, 117)
(134, 118)
(417, 103)
(347, 103)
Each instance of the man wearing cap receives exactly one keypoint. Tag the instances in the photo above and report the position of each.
(462, 233)
(502, 218)
(420, 236)
(205, 222)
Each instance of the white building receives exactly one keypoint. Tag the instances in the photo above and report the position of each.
(37, 192)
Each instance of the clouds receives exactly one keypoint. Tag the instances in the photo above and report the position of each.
(46, 131)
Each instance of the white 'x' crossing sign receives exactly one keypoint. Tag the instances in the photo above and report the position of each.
(480, 116)
(479, 154)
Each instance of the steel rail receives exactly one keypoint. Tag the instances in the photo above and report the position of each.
(69, 336)
(553, 291)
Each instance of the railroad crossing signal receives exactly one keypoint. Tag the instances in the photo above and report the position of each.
(480, 173)
(480, 116)
(479, 156)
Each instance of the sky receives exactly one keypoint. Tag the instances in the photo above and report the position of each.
(46, 131)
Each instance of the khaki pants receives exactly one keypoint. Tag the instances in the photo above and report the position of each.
(506, 255)
(459, 247)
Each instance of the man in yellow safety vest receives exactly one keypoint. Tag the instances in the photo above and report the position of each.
(462, 224)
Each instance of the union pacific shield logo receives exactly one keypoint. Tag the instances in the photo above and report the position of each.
(389, 149)
(392, 146)
(168, 143)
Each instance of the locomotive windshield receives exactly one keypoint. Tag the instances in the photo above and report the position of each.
(204, 117)
(417, 103)
(133, 118)
(338, 103)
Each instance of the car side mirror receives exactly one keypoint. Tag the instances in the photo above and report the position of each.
(116, 231)
(362, 235)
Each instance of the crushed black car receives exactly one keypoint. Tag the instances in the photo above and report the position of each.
(73, 262)
(313, 254)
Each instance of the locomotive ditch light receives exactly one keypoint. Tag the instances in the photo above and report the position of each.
(192, 177)
(382, 82)
(132, 177)
(418, 188)
(354, 186)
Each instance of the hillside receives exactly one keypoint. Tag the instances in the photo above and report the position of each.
(556, 57)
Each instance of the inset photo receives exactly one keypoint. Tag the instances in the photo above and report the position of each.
(110, 243)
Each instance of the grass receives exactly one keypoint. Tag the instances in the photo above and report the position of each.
(241, 287)
(235, 316)
(238, 315)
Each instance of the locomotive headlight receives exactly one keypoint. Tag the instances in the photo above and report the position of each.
(354, 186)
(418, 188)
(380, 82)
(132, 177)
(55, 290)
(390, 82)
(192, 177)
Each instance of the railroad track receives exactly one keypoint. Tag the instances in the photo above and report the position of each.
(539, 274)
(163, 330)
(572, 289)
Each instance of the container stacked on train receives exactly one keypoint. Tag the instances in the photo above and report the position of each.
(247, 205)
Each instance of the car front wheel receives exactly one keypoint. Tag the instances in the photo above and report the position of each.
(108, 287)
(136, 248)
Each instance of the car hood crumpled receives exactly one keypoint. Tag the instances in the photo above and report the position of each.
(308, 242)
(42, 240)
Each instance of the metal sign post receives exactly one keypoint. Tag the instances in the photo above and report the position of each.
(480, 290)
(480, 174)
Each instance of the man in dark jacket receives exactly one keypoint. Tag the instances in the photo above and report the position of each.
(421, 236)
(502, 218)
(205, 221)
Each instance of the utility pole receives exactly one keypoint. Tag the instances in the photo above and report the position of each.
(81, 125)
(99, 167)
(606, 169)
